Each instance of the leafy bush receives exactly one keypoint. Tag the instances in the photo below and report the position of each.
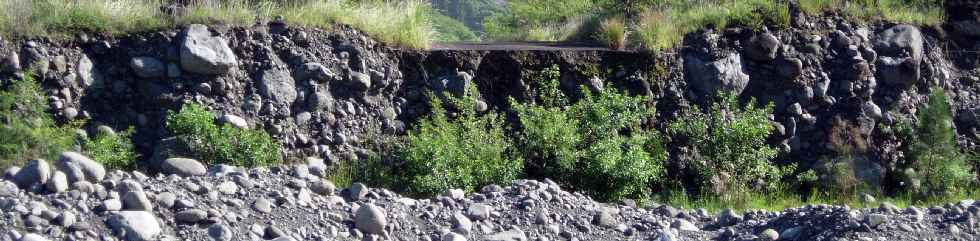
(114, 151)
(596, 144)
(731, 145)
(223, 144)
(26, 129)
(938, 162)
(467, 151)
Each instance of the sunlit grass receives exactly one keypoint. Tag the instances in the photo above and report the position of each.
(402, 23)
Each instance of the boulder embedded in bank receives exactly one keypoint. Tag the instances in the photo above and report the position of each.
(147, 67)
(707, 77)
(205, 54)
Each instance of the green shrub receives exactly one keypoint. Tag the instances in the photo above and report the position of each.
(938, 162)
(467, 151)
(223, 144)
(27, 131)
(114, 151)
(596, 144)
(730, 142)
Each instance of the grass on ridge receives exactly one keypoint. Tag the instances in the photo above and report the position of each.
(403, 23)
(918, 12)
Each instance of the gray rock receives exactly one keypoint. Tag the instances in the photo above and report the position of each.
(220, 232)
(461, 224)
(112, 204)
(875, 219)
(478, 211)
(459, 85)
(205, 54)
(10, 63)
(65, 219)
(762, 47)
(790, 68)
(234, 120)
(664, 235)
(316, 71)
(453, 237)
(360, 81)
(32, 237)
(323, 187)
(791, 233)
(136, 201)
(455, 194)
(606, 217)
(94, 172)
(277, 85)
(35, 172)
(8, 189)
(901, 50)
(357, 191)
(166, 199)
(684, 225)
(728, 217)
(10, 173)
(708, 77)
(370, 219)
(191, 216)
(147, 67)
(58, 183)
(228, 188)
(73, 172)
(86, 73)
(262, 205)
(770, 234)
(509, 235)
(317, 166)
(135, 225)
(183, 167)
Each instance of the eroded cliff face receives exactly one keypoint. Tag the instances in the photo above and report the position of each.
(332, 93)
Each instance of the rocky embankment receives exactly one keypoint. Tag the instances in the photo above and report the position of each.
(75, 198)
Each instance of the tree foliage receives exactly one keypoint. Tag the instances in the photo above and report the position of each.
(938, 162)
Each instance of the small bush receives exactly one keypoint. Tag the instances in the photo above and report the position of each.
(937, 161)
(223, 144)
(596, 144)
(114, 151)
(27, 131)
(613, 33)
(467, 151)
(731, 145)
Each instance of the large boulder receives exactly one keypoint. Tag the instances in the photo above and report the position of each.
(278, 86)
(762, 47)
(205, 54)
(135, 225)
(707, 77)
(35, 172)
(901, 50)
(370, 219)
(71, 162)
(183, 167)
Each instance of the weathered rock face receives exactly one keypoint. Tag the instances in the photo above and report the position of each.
(202, 53)
(327, 94)
(707, 77)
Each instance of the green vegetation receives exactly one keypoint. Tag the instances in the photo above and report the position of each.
(114, 151)
(596, 144)
(661, 24)
(406, 23)
(450, 30)
(730, 141)
(225, 144)
(937, 162)
(467, 151)
(613, 33)
(27, 130)
(919, 12)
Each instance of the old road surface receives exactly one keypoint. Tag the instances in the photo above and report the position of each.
(519, 46)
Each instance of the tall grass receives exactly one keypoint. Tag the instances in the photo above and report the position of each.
(918, 12)
(613, 32)
(404, 23)
(664, 26)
